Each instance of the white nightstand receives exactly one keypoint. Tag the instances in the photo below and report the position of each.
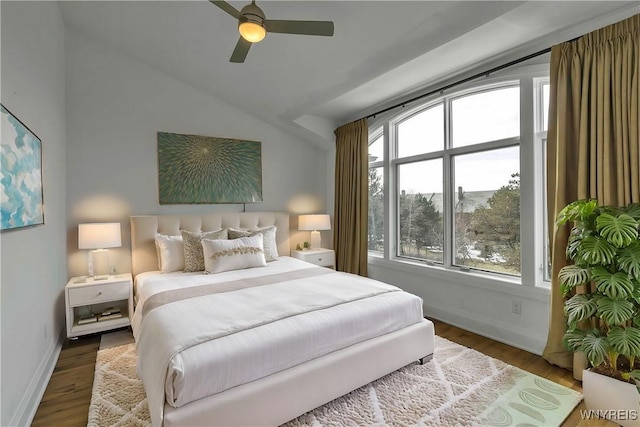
(84, 295)
(322, 257)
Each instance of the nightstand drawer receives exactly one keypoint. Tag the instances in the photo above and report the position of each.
(321, 257)
(324, 260)
(98, 293)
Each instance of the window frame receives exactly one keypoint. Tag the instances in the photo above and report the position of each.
(530, 80)
(373, 136)
(540, 141)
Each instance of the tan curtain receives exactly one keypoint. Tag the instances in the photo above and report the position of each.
(351, 197)
(593, 142)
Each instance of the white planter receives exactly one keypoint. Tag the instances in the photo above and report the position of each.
(611, 399)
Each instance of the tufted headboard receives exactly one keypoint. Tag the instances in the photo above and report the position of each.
(145, 227)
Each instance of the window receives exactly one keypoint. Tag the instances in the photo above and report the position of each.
(421, 232)
(486, 213)
(454, 165)
(485, 116)
(422, 133)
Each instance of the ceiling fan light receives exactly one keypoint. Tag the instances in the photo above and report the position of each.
(251, 31)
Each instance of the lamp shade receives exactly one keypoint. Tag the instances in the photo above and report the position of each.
(314, 222)
(99, 235)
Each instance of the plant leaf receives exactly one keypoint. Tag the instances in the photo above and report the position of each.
(580, 307)
(635, 375)
(572, 276)
(636, 320)
(620, 231)
(579, 210)
(633, 210)
(572, 339)
(614, 285)
(615, 311)
(573, 245)
(596, 348)
(596, 250)
(629, 259)
(625, 341)
(636, 292)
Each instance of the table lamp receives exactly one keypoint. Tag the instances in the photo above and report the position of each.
(314, 223)
(100, 237)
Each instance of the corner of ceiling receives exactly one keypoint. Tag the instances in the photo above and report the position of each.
(321, 127)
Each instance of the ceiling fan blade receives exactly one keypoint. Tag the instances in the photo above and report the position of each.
(240, 52)
(311, 28)
(227, 8)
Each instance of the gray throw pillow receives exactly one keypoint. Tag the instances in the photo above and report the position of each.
(193, 255)
(268, 240)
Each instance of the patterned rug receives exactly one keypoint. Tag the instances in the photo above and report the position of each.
(459, 387)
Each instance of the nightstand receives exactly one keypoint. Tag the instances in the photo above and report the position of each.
(87, 299)
(322, 257)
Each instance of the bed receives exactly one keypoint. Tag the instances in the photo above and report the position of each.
(270, 343)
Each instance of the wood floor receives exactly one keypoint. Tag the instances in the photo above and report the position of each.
(67, 397)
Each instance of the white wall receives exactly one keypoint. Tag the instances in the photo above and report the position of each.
(483, 306)
(115, 106)
(34, 260)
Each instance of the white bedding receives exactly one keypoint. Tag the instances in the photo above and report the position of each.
(259, 351)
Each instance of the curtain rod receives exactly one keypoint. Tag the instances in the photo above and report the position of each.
(468, 79)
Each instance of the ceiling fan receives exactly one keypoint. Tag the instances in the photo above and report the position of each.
(254, 26)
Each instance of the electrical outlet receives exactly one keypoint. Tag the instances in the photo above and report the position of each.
(516, 307)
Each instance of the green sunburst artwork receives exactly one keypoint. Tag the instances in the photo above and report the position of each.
(205, 169)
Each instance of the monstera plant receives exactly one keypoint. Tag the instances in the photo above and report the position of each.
(602, 287)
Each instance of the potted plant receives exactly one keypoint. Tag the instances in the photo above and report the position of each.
(602, 308)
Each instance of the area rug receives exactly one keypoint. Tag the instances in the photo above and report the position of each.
(459, 387)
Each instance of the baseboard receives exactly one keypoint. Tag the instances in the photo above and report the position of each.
(489, 328)
(30, 401)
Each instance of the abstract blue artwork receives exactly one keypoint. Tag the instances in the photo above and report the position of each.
(21, 201)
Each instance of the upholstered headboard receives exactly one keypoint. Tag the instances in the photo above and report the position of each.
(145, 227)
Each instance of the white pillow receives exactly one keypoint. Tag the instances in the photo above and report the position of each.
(236, 254)
(269, 239)
(170, 251)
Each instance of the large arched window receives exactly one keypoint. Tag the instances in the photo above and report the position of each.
(458, 182)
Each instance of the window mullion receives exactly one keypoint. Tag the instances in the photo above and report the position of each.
(528, 182)
(389, 192)
(447, 201)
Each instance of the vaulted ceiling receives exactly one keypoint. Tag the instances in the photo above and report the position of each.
(381, 50)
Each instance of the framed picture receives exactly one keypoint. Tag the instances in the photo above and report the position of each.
(20, 174)
(196, 169)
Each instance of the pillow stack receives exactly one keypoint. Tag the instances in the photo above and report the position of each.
(216, 251)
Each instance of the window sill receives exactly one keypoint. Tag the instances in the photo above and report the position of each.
(471, 278)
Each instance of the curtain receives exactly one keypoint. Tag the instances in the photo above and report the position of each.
(351, 197)
(593, 145)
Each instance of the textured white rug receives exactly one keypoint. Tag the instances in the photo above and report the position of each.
(459, 387)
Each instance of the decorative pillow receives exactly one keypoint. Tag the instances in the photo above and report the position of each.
(193, 257)
(225, 255)
(170, 250)
(269, 239)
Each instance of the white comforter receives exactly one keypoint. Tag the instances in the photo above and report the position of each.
(240, 336)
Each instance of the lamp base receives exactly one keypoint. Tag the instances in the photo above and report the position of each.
(315, 240)
(99, 265)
